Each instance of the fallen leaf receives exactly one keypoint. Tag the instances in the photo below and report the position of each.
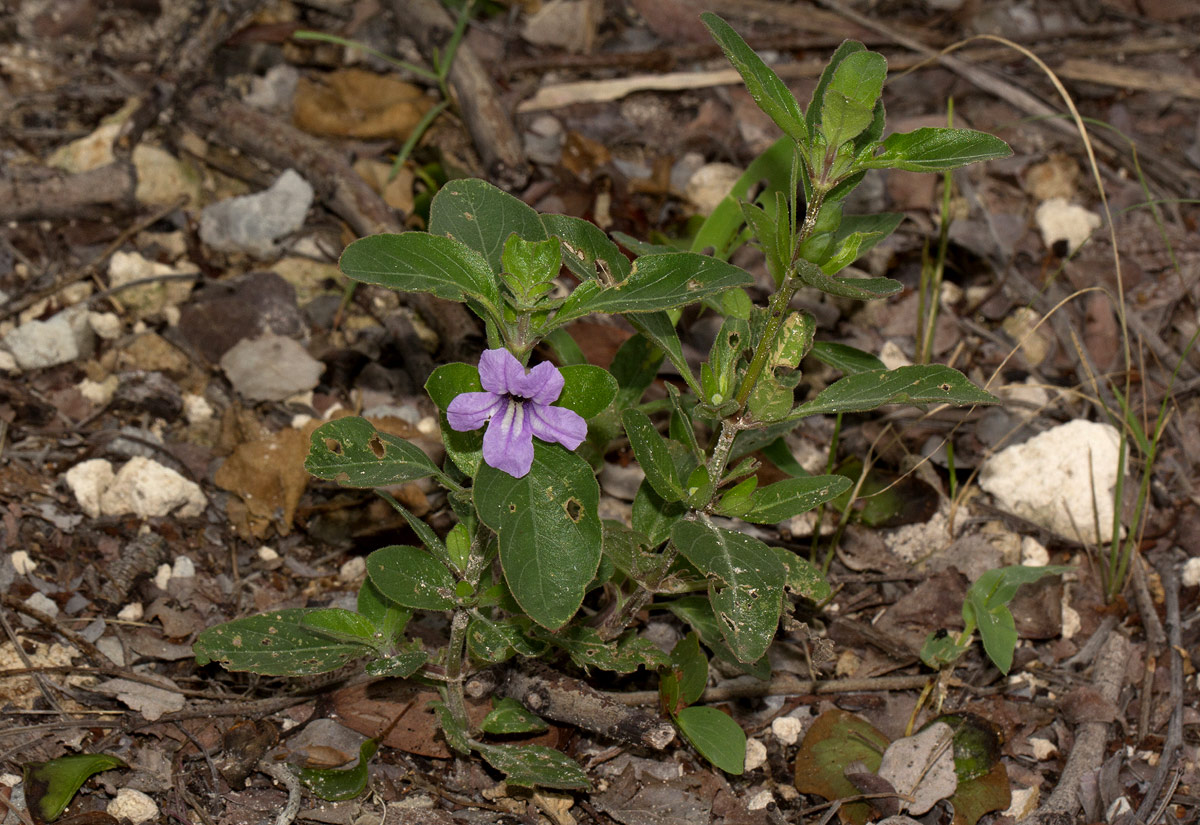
(361, 104)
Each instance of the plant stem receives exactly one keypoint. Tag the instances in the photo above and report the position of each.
(455, 653)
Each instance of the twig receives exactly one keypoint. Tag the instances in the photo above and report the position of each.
(53, 194)
(1174, 740)
(782, 686)
(490, 126)
(563, 699)
(280, 773)
(1090, 737)
(87, 648)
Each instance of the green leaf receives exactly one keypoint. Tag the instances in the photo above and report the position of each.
(588, 650)
(976, 797)
(846, 358)
(698, 613)
(510, 716)
(635, 366)
(342, 625)
(816, 104)
(340, 784)
(656, 282)
(549, 529)
(941, 649)
(717, 737)
(720, 230)
(834, 741)
(411, 577)
(919, 384)
(764, 228)
(587, 389)
(848, 106)
(443, 385)
(482, 217)
(659, 328)
(388, 617)
(495, 642)
(773, 395)
(933, 149)
(768, 91)
(629, 552)
(587, 249)
(691, 668)
(780, 501)
(977, 743)
(565, 348)
(652, 454)
(351, 452)
(873, 228)
(986, 606)
(278, 643)
(653, 516)
(50, 786)
(745, 583)
(530, 765)
(530, 267)
(859, 289)
(420, 262)
(398, 666)
(803, 577)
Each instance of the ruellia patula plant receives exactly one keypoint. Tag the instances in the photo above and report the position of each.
(531, 569)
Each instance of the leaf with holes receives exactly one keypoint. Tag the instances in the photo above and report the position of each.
(510, 716)
(530, 765)
(278, 643)
(548, 523)
(586, 248)
(934, 149)
(482, 217)
(351, 452)
(745, 583)
(411, 577)
(623, 655)
(803, 577)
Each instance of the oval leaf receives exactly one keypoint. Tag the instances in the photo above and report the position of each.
(717, 737)
(420, 262)
(351, 452)
(411, 577)
(780, 501)
(745, 583)
(510, 716)
(549, 528)
(274, 644)
(652, 454)
(50, 786)
(338, 784)
(587, 389)
(482, 217)
(936, 149)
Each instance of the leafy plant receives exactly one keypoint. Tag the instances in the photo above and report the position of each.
(986, 609)
(522, 444)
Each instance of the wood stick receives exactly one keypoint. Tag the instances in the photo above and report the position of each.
(32, 193)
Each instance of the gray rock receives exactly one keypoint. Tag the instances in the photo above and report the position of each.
(59, 340)
(270, 368)
(223, 313)
(252, 223)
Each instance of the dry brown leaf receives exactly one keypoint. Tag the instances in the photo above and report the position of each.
(360, 104)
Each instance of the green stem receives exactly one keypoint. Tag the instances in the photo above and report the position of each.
(455, 654)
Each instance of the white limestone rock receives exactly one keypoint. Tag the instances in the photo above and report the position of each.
(59, 340)
(133, 805)
(1047, 480)
(142, 487)
(270, 368)
(252, 223)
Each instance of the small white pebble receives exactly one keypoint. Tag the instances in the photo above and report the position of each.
(10, 780)
(267, 554)
(133, 805)
(787, 729)
(172, 314)
(1024, 802)
(299, 420)
(760, 800)
(427, 425)
(196, 409)
(1071, 623)
(756, 754)
(105, 324)
(8, 363)
(98, 392)
(132, 612)
(1033, 553)
(22, 563)
(184, 568)
(1043, 749)
(353, 570)
(40, 601)
(163, 577)
(1191, 572)
(893, 357)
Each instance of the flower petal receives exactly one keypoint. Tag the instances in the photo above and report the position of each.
(508, 440)
(471, 410)
(500, 371)
(559, 424)
(543, 384)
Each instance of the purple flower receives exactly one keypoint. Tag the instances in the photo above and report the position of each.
(518, 405)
